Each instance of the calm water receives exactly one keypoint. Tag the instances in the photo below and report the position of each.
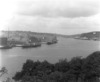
(13, 59)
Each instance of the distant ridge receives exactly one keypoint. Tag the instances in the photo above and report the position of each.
(94, 35)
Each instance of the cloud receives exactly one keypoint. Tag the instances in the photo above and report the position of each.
(56, 25)
(59, 8)
(56, 16)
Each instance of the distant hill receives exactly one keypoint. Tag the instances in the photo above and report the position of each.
(24, 36)
(95, 35)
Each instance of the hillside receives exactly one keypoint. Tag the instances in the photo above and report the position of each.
(95, 35)
(45, 37)
(23, 36)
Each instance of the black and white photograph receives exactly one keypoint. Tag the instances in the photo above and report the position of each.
(49, 40)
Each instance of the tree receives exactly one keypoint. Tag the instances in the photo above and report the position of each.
(78, 69)
(62, 65)
(45, 66)
(75, 68)
(3, 71)
(91, 67)
(18, 76)
(56, 76)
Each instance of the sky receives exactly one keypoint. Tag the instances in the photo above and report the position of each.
(50, 16)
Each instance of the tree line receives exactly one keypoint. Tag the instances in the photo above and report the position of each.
(78, 69)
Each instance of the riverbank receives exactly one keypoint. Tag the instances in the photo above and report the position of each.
(27, 39)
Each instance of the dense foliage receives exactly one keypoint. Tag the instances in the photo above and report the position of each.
(78, 69)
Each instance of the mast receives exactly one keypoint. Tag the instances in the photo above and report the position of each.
(8, 32)
(8, 36)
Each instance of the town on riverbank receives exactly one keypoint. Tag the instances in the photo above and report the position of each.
(25, 39)
(28, 39)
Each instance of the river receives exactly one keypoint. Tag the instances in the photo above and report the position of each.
(14, 58)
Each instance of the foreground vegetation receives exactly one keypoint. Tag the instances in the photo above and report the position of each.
(78, 69)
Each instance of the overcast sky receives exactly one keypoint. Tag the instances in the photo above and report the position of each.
(54, 16)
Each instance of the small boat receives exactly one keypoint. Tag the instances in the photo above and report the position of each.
(52, 42)
(49, 43)
(5, 47)
(31, 45)
(18, 45)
